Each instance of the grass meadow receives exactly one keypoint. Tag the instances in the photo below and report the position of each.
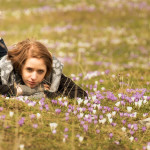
(105, 48)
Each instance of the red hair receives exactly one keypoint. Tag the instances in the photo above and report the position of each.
(27, 49)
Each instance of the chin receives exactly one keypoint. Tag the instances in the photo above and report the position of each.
(31, 86)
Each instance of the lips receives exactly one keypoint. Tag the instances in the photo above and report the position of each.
(32, 83)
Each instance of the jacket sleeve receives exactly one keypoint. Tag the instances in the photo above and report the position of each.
(68, 88)
(7, 90)
(3, 48)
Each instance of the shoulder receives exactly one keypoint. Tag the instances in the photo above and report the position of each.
(0, 77)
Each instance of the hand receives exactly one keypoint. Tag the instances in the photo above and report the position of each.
(46, 87)
(19, 91)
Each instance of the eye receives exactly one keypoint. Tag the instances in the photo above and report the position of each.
(29, 69)
(40, 71)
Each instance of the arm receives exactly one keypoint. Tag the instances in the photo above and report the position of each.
(5, 89)
(24, 90)
(19, 90)
(3, 48)
(67, 88)
(9, 90)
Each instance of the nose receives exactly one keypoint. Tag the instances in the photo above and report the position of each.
(34, 75)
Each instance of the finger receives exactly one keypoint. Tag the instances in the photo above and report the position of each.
(45, 85)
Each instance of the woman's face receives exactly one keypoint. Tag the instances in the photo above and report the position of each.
(33, 71)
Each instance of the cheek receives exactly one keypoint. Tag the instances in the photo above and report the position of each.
(25, 74)
(42, 77)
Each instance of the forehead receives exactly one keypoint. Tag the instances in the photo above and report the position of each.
(37, 63)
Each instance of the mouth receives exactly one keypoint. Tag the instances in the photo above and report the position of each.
(32, 83)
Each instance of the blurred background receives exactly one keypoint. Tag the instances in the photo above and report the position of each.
(86, 35)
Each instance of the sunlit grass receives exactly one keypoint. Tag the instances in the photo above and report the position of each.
(105, 48)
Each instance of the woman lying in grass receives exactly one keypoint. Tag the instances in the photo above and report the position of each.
(30, 70)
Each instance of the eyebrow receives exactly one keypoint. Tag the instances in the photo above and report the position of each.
(33, 68)
(40, 69)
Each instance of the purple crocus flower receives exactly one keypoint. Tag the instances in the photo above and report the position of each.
(116, 109)
(54, 131)
(27, 101)
(85, 126)
(21, 121)
(65, 136)
(123, 121)
(113, 124)
(107, 72)
(110, 135)
(108, 109)
(78, 109)
(95, 121)
(88, 104)
(101, 81)
(3, 117)
(35, 126)
(117, 142)
(101, 117)
(89, 120)
(32, 116)
(123, 103)
(60, 103)
(66, 130)
(75, 112)
(135, 127)
(82, 122)
(90, 109)
(105, 107)
(46, 107)
(69, 110)
(67, 118)
(132, 132)
(57, 111)
(121, 114)
(95, 117)
(103, 111)
(91, 87)
(7, 127)
(78, 116)
(143, 129)
(97, 131)
(42, 101)
(54, 101)
(1, 108)
(66, 114)
(41, 108)
(129, 126)
(126, 114)
(83, 109)
(78, 135)
(136, 139)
